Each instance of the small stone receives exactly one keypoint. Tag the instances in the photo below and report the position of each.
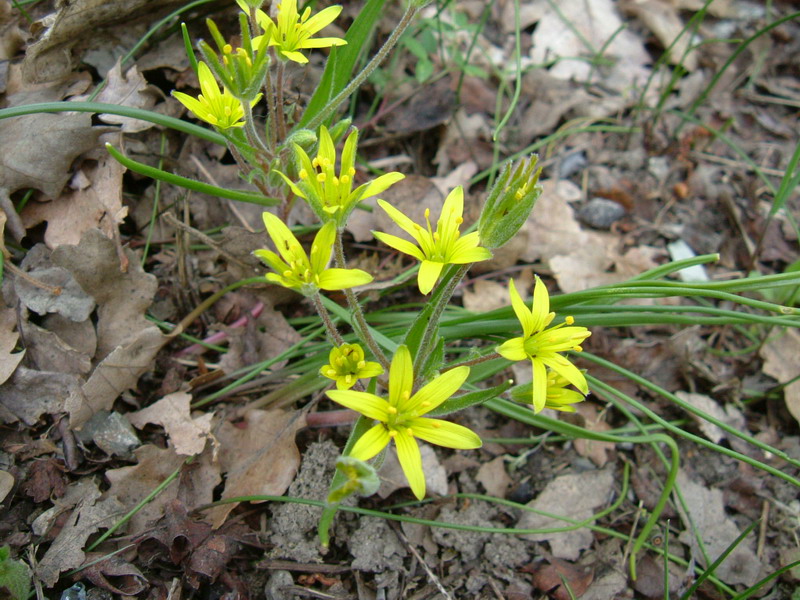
(601, 213)
(111, 432)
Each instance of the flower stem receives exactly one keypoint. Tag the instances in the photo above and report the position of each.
(428, 337)
(352, 301)
(279, 94)
(250, 130)
(271, 106)
(334, 334)
(373, 64)
(475, 361)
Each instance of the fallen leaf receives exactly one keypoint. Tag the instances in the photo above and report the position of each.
(8, 341)
(45, 480)
(96, 205)
(730, 415)
(551, 579)
(260, 457)
(486, 295)
(173, 412)
(128, 580)
(587, 415)
(6, 484)
(89, 515)
(707, 518)
(575, 496)
(663, 20)
(122, 298)
(780, 361)
(48, 352)
(130, 89)
(29, 394)
(130, 485)
(494, 477)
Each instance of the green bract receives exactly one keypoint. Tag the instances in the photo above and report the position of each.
(510, 202)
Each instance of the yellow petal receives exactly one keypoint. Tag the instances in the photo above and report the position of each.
(343, 279)
(445, 433)
(522, 311)
(399, 244)
(428, 275)
(437, 391)
(401, 376)
(539, 385)
(541, 305)
(368, 405)
(567, 370)
(372, 442)
(411, 462)
(513, 349)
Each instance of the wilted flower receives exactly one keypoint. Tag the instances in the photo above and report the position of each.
(400, 417)
(445, 246)
(541, 345)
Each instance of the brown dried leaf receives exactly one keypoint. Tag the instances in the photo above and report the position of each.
(8, 341)
(258, 457)
(89, 515)
(575, 496)
(97, 204)
(173, 412)
(132, 484)
(45, 480)
(550, 579)
(29, 394)
(728, 414)
(780, 361)
(127, 579)
(588, 416)
(717, 530)
(494, 477)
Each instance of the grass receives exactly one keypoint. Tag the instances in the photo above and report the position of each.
(729, 303)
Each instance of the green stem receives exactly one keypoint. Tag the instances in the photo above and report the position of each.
(426, 345)
(362, 328)
(373, 64)
(279, 94)
(251, 132)
(475, 361)
(334, 334)
(273, 111)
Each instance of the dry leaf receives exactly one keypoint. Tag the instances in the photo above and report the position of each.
(663, 20)
(122, 298)
(717, 530)
(494, 478)
(780, 361)
(48, 352)
(29, 394)
(589, 417)
(89, 515)
(258, 457)
(550, 579)
(8, 341)
(97, 204)
(576, 496)
(130, 89)
(130, 485)
(6, 484)
(173, 412)
(730, 415)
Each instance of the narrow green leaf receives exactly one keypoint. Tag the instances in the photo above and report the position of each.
(189, 184)
(471, 399)
(342, 60)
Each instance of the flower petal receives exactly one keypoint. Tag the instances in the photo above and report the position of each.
(445, 433)
(295, 56)
(411, 460)
(272, 260)
(372, 442)
(371, 369)
(292, 185)
(399, 244)
(539, 385)
(428, 275)
(322, 19)
(343, 279)
(513, 349)
(522, 311)
(377, 186)
(322, 42)
(322, 246)
(282, 237)
(401, 375)
(566, 369)
(403, 222)
(541, 305)
(326, 147)
(368, 405)
(437, 391)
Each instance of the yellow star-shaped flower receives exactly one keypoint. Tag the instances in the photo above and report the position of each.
(346, 365)
(400, 417)
(294, 268)
(292, 32)
(541, 345)
(435, 249)
(332, 196)
(219, 108)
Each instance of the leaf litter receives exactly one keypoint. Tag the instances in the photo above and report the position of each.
(91, 352)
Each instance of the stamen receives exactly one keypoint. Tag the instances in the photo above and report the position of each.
(361, 364)
(569, 320)
(331, 372)
(392, 433)
(303, 174)
(321, 177)
(392, 410)
(405, 395)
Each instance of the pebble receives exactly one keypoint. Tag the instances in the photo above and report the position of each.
(601, 213)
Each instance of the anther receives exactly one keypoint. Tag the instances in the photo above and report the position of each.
(569, 320)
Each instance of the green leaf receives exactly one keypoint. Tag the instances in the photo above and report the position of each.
(339, 68)
(190, 184)
(15, 577)
(471, 399)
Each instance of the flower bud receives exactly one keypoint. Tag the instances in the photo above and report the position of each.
(361, 479)
(510, 201)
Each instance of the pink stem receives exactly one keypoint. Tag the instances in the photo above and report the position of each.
(221, 335)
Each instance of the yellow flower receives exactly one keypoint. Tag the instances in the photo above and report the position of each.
(346, 365)
(292, 32)
(333, 197)
(295, 270)
(436, 248)
(400, 417)
(220, 109)
(542, 345)
(559, 397)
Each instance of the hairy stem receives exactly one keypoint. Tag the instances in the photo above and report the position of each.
(373, 64)
(279, 94)
(334, 334)
(362, 328)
